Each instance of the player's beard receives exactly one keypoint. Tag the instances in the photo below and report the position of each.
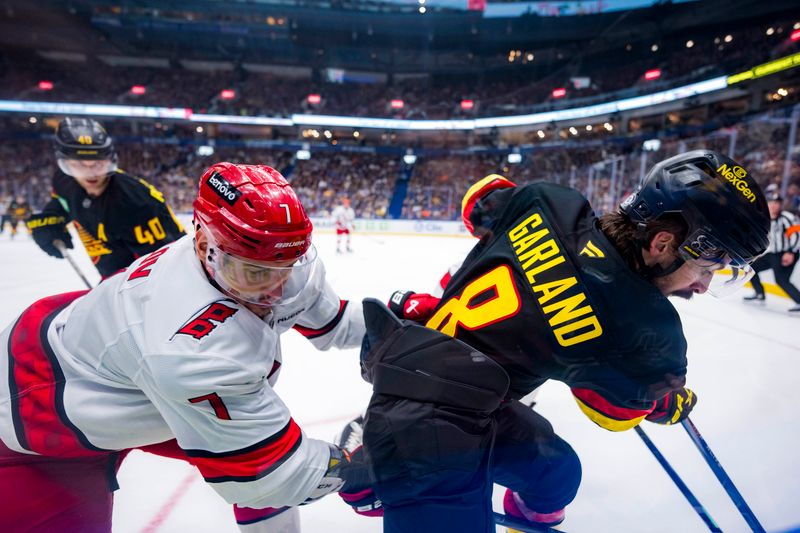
(686, 294)
(665, 285)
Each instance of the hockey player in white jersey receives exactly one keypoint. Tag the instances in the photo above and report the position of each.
(184, 344)
(344, 217)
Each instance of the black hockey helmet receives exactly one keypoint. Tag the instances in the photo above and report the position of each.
(83, 138)
(773, 194)
(723, 206)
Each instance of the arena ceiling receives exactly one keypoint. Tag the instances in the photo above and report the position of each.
(292, 32)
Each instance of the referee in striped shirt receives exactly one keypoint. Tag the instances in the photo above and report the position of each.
(782, 251)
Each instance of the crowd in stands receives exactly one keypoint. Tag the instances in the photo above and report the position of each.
(431, 97)
(604, 172)
(367, 180)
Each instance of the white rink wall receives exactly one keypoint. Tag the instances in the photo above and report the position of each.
(380, 226)
(449, 228)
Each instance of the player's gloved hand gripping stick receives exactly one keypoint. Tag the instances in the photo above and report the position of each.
(46, 230)
(361, 497)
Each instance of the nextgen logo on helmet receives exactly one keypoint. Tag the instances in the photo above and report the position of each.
(224, 190)
(736, 177)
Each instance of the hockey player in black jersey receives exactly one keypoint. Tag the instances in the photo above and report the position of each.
(18, 211)
(549, 292)
(118, 217)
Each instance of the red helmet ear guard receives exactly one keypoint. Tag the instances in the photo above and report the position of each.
(252, 212)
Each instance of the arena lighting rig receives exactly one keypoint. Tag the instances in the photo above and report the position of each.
(534, 119)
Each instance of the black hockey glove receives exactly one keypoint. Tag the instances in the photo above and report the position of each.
(46, 229)
(348, 471)
(357, 491)
(674, 407)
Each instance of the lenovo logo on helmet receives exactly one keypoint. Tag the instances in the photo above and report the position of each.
(288, 244)
(736, 177)
(224, 190)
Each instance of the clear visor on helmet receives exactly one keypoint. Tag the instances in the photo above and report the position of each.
(87, 168)
(727, 271)
(267, 284)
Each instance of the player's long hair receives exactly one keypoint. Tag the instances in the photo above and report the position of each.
(627, 238)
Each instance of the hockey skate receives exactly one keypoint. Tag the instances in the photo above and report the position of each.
(515, 507)
(755, 299)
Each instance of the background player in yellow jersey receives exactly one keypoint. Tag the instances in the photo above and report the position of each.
(18, 210)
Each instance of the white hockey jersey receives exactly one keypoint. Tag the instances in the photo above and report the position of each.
(157, 352)
(344, 217)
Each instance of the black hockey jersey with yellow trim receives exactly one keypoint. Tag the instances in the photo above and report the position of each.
(547, 296)
(19, 210)
(129, 219)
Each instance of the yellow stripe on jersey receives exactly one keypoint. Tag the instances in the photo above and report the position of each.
(155, 193)
(175, 219)
(476, 188)
(606, 422)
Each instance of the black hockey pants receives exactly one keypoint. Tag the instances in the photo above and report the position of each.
(439, 432)
(782, 274)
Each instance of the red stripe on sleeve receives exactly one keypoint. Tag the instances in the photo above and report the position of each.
(444, 281)
(311, 333)
(251, 463)
(600, 404)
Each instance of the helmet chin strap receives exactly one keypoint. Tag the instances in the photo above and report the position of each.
(655, 271)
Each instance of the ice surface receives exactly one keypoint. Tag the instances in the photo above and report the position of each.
(744, 366)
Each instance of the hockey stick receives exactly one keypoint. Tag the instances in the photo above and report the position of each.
(61, 247)
(722, 476)
(509, 521)
(692, 499)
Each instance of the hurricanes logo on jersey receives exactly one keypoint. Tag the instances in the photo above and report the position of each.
(207, 320)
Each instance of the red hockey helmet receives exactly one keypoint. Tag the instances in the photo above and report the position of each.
(252, 212)
(259, 236)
